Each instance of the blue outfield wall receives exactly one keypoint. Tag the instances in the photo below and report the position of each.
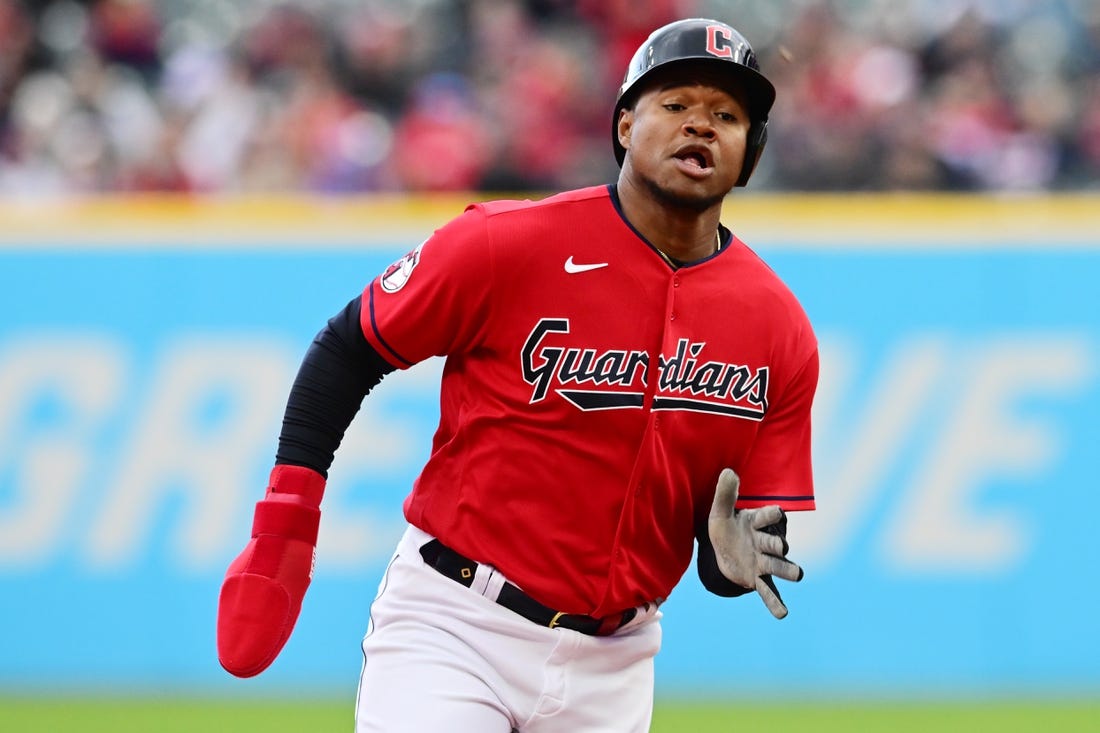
(957, 453)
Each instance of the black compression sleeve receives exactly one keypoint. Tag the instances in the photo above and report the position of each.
(338, 371)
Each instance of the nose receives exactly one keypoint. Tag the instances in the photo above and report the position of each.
(699, 128)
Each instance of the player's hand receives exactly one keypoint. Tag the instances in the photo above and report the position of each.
(748, 549)
(263, 588)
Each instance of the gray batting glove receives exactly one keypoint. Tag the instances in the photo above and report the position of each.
(746, 552)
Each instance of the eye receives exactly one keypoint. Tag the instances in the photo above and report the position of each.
(674, 106)
(727, 117)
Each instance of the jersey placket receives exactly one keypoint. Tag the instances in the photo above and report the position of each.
(643, 457)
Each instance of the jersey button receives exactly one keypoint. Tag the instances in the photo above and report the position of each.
(676, 282)
(672, 317)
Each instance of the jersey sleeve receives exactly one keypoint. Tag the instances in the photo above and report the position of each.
(779, 469)
(434, 300)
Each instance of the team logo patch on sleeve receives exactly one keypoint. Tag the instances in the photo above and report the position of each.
(397, 274)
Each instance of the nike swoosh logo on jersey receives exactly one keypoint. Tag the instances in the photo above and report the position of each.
(573, 268)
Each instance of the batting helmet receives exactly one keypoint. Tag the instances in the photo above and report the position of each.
(700, 40)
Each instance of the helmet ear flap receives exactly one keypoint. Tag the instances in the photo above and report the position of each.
(755, 140)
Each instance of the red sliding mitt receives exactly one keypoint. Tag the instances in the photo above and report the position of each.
(263, 588)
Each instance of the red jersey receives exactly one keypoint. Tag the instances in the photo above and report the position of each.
(592, 393)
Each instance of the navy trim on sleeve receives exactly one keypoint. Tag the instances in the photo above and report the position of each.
(773, 498)
(378, 334)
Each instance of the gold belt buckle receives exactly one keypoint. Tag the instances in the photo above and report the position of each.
(554, 621)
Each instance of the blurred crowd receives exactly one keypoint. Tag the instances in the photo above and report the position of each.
(346, 96)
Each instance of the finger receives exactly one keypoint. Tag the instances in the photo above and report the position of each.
(725, 493)
(765, 588)
(781, 568)
(771, 544)
(766, 516)
(780, 527)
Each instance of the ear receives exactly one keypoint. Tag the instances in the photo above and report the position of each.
(625, 126)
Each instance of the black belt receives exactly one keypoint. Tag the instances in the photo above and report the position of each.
(461, 570)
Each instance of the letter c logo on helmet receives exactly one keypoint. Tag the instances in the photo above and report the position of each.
(701, 40)
(714, 32)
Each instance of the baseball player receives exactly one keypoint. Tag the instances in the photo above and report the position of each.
(625, 380)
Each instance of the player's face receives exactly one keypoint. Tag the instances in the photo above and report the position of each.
(685, 141)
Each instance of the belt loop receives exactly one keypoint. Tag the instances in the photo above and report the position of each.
(483, 581)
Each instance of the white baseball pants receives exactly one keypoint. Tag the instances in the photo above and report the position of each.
(438, 656)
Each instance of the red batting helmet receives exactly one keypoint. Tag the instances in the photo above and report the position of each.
(700, 40)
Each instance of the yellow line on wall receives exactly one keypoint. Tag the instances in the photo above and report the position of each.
(211, 222)
(834, 220)
(921, 220)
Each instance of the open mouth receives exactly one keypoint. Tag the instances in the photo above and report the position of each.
(694, 158)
